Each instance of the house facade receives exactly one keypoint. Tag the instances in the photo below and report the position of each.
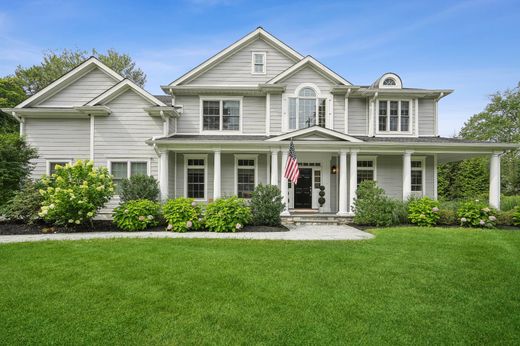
(225, 126)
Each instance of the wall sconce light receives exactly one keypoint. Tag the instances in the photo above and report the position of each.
(333, 169)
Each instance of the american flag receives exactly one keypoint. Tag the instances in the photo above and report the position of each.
(291, 168)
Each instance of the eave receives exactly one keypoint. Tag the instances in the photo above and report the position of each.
(241, 90)
(53, 112)
(162, 111)
(368, 92)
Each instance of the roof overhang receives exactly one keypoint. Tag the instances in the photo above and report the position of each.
(368, 92)
(53, 112)
(242, 90)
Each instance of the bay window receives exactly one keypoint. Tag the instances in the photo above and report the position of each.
(221, 115)
(393, 116)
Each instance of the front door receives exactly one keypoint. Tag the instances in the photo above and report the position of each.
(303, 190)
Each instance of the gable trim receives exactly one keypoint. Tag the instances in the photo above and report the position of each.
(316, 64)
(68, 78)
(259, 32)
(315, 129)
(122, 86)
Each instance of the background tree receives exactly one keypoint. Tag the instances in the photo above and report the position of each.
(11, 94)
(499, 122)
(55, 64)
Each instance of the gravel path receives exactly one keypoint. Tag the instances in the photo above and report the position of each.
(306, 232)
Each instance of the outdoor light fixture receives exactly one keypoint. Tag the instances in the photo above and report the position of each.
(333, 169)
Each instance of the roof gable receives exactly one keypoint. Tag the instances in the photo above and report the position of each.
(230, 50)
(69, 78)
(315, 133)
(121, 88)
(316, 65)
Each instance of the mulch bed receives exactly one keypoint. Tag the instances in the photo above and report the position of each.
(11, 228)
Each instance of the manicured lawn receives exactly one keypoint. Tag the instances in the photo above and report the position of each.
(406, 286)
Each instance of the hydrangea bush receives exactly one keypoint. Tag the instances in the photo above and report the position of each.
(227, 215)
(476, 214)
(74, 193)
(423, 211)
(182, 214)
(137, 215)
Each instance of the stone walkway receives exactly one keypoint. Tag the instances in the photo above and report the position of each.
(307, 232)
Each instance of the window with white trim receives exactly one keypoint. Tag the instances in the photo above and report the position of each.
(221, 115)
(125, 169)
(394, 116)
(51, 165)
(307, 110)
(365, 170)
(258, 62)
(417, 175)
(389, 81)
(245, 175)
(195, 177)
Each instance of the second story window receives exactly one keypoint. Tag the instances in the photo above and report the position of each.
(393, 116)
(258, 63)
(221, 115)
(306, 110)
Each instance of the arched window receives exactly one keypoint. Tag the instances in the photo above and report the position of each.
(389, 81)
(303, 109)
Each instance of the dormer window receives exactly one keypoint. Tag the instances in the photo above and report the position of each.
(258, 63)
(389, 82)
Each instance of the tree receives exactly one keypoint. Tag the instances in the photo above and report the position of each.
(11, 94)
(55, 64)
(15, 166)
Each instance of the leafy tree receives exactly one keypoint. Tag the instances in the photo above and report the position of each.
(11, 94)
(55, 64)
(15, 166)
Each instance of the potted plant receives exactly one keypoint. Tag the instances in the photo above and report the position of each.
(321, 199)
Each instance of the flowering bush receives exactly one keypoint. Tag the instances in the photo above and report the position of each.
(74, 193)
(423, 211)
(227, 215)
(137, 215)
(476, 214)
(182, 214)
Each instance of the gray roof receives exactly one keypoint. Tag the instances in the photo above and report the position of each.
(167, 99)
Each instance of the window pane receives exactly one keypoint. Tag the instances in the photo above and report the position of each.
(365, 164)
(211, 115)
(259, 68)
(383, 112)
(416, 180)
(195, 183)
(394, 106)
(405, 123)
(211, 122)
(416, 164)
(363, 175)
(259, 58)
(382, 108)
(119, 170)
(321, 112)
(317, 179)
(394, 117)
(307, 113)
(307, 92)
(389, 81)
(195, 162)
(292, 113)
(211, 108)
(231, 118)
(405, 108)
(243, 162)
(139, 168)
(246, 182)
(52, 166)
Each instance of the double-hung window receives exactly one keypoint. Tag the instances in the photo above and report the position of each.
(51, 165)
(393, 116)
(258, 63)
(246, 175)
(125, 169)
(221, 115)
(195, 177)
(417, 175)
(307, 110)
(366, 169)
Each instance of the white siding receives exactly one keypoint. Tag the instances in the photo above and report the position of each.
(426, 117)
(122, 134)
(276, 113)
(339, 113)
(307, 75)
(81, 91)
(253, 113)
(357, 116)
(189, 121)
(236, 69)
(58, 139)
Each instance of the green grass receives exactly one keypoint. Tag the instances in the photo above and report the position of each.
(406, 286)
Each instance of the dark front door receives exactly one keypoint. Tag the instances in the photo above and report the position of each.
(303, 190)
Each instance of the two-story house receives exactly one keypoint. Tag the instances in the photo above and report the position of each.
(225, 126)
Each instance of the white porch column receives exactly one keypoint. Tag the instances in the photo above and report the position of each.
(216, 174)
(407, 174)
(353, 178)
(285, 187)
(163, 176)
(494, 181)
(343, 191)
(274, 167)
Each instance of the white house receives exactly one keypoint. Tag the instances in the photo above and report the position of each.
(225, 126)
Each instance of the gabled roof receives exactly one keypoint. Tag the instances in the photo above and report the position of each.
(122, 86)
(315, 133)
(68, 78)
(258, 33)
(310, 61)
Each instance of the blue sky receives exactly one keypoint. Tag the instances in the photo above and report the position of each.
(470, 46)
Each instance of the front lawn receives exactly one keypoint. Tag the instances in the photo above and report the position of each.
(408, 285)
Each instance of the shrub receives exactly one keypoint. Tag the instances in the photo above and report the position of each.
(516, 216)
(25, 204)
(137, 215)
(509, 202)
(476, 214)
(266, 205)
(139, 187)
(227, 215)
(505, 218)
(423, 211)
(373, 207)
(74, 193)
(182, 214)
(447, 217)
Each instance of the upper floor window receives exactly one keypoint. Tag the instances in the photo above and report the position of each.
(258, 63)
(306, 110)
(394, 116)
(389, 81)
(221, 115)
